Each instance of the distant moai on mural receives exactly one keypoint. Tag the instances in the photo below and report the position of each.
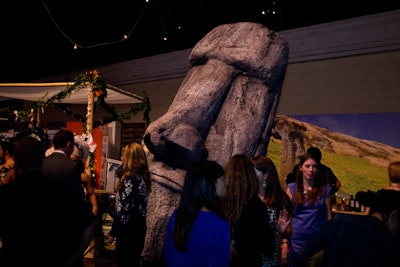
(226, 105)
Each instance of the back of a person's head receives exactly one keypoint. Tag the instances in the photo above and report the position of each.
(394, 171)
(62, 137)
(134, 161)
(266, 165)
(28, 153)
(261, 163)
(81, 149)
(382, 201)
(199, 190)
(199, 187)
(241, 178)
(207, 169)
(134, 158)
(315, 152)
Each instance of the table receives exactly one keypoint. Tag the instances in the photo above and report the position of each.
(362, 213)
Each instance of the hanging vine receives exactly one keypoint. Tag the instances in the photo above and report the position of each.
(99, 86)
(96, 80)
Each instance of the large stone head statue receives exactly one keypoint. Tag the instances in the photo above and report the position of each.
(226, 105)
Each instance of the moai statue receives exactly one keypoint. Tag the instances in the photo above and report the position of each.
(225, 105)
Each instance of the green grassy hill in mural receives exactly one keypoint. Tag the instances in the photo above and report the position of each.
(359, 164)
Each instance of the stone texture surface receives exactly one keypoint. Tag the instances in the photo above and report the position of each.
(225, 105)
(291, 134)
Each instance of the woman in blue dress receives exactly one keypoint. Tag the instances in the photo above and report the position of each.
(197, 234)
(311, 199)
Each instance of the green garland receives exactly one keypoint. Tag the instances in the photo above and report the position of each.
(97, 82)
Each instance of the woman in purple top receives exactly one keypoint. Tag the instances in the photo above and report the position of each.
(197, 235)
(312, 204)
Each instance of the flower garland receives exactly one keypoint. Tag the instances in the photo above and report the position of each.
(96, 80)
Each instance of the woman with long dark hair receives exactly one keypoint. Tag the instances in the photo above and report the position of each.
(252, 237)
(197, 234)
(311, 198)
(279, 206)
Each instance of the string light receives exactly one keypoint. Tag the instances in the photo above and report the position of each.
(124, 38)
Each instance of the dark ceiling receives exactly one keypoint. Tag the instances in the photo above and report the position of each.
(38, 36)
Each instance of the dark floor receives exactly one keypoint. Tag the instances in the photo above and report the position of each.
(102, 263)
(106, 257)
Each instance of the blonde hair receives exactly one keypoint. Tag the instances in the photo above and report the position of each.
(134, 162)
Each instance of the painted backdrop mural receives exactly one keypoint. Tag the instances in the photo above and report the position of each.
(380, 127)
(358, 147)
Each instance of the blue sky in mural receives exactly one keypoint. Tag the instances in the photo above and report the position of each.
(380, 127)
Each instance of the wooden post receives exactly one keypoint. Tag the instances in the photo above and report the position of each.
(39, 112)
(90, 111)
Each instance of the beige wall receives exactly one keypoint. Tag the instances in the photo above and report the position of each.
(160, 93)
(358, 84)
(349, 66)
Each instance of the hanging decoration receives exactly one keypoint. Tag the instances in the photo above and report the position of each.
(95, 79)
(96, 99)
(124, 38)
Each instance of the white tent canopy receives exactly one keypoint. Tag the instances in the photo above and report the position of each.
(43, 91)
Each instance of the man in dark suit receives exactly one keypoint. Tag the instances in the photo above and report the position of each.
(31, 214)
(66, 173)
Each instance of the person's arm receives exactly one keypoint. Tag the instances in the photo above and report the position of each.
(337, 183)
(328, 202)
(283, 221)
(333, 181)
(289, 193)
(90, 192)
(284, 251)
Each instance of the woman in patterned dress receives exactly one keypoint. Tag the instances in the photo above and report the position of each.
(279, 208)
(129, 224)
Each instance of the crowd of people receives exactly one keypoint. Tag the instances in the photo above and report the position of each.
(234, 215)
(49, 210)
